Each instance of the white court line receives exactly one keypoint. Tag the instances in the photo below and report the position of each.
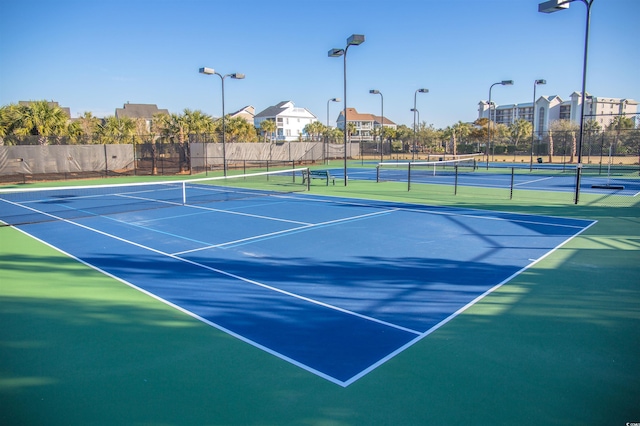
(461, 310)
(419, 335)
(533, 181)
(228, 274)
(287, 231)
(420, 208)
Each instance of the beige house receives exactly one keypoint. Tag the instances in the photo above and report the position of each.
(364, 124)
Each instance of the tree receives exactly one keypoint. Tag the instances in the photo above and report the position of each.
(115, 130)
(239, 130)
(198, 122)
(520, 130)
(39, 118)
(315, 129)
(268, 127)
(618, 125)
(452, 134)
(565, 128)
(404, 134)
(87, 126)
(351, 130)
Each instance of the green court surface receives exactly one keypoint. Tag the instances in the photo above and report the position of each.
(557, 345)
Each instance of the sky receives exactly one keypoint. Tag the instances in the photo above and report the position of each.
(95, 56)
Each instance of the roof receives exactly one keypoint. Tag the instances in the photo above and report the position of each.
(139, 111)
(353, 115)
(52, 104)
(273, 111)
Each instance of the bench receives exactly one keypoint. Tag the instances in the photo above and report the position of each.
(321, 174)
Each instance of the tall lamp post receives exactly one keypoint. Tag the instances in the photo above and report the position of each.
(326, 155)
(533, 119)
(554, 6)
(237, 76)
(353, 40)
(377, 92)
(414, 118)
(415, 111)
(502, 83)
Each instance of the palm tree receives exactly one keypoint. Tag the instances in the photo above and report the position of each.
(239, 130)
(198, 122)
(618, 124)
(314, 129)
(39, 118)
(175, 129)
(459, 130)
(567, 128)
(268, 127)
(520, 130)
(351, 129)
(115, 130)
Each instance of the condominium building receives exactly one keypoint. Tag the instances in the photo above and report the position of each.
(364, 124)
(551, 108)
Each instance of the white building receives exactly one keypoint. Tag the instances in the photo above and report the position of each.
(290, 120)
(551, 108)
(364, 124)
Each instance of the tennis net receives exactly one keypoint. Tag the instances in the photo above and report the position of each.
(20, 206)
(423, 171)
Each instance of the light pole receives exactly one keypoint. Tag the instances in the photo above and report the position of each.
(502, 83)
(415, 111)
(377, 92)
(554, 6)
(414, 118)
(533, 119)
(326, 156)
(353, 40)
(237, 76)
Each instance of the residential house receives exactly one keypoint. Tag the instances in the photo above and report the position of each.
(290, 120)
(143, 111)
(364, 124)
(248, 113)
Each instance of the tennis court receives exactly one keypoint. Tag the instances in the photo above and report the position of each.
(470, 172)
(267, 303)
(335, 286)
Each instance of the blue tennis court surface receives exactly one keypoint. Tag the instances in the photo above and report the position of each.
(333, 285)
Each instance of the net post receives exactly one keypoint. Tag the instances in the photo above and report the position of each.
(184, 193)
(378, 173)
(511, 192)
(455, 186)
(409, 177)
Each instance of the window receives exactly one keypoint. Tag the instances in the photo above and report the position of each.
(540, 119)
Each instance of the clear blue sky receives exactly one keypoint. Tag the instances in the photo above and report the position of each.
(97, 55)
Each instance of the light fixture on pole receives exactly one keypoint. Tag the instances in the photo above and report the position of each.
(414, 118)
(503, 83)
(533, 119)
(554, 6)
(353, 40)
(377, 92)
(236, 76)
(326, 154)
